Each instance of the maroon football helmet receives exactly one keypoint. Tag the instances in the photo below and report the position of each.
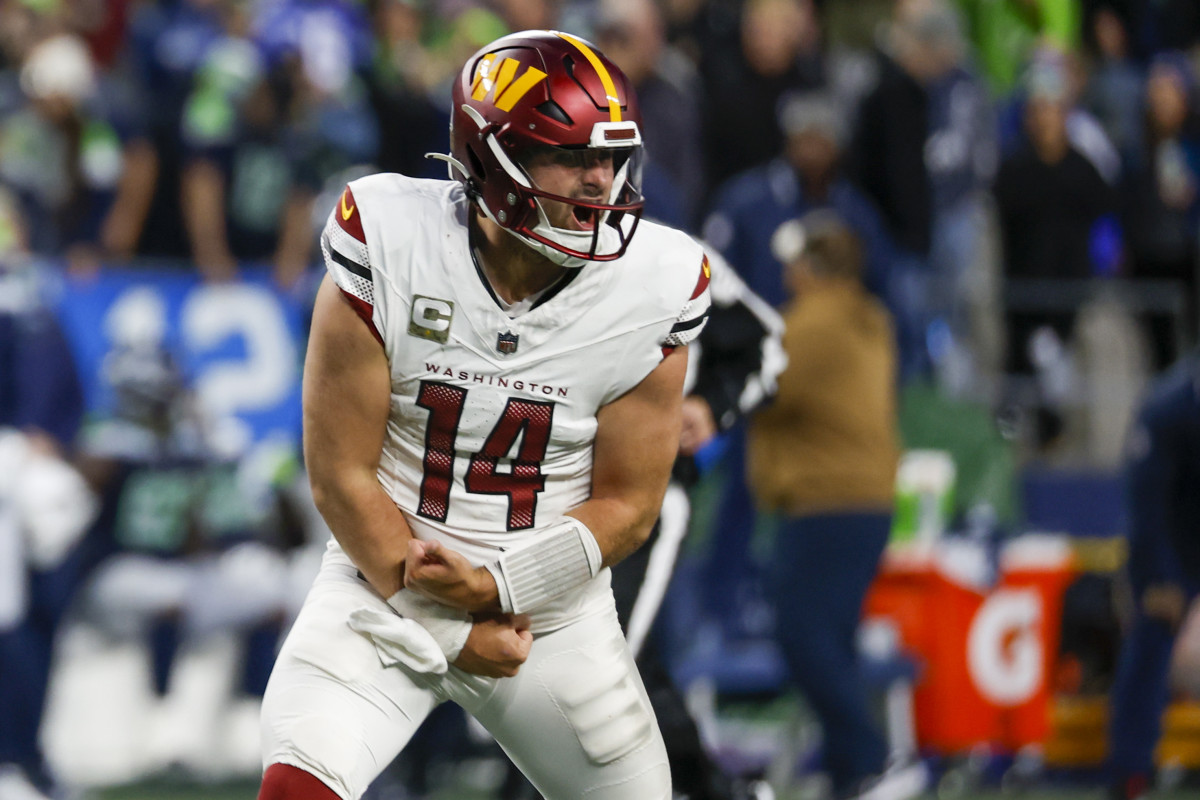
(537, 90)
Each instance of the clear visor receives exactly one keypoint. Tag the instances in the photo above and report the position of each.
(599, 179)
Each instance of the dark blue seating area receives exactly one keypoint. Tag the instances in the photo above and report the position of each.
(1077, 503)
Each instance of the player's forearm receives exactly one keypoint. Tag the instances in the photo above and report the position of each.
(620, 526)
(368, 526)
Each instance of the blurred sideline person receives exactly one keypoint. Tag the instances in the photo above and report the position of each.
(748, 210)
(39, 380)
(492, 405)
(45, 506)
(823, 458)
(190, 541)
(732, 371)
(1163, 496)
(45, 509)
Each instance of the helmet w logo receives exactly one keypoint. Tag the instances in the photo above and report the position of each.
(496, 79)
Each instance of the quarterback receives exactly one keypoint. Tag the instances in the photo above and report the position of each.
(492, 400)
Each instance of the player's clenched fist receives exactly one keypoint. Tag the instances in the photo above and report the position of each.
(497, 646)
(441, 574)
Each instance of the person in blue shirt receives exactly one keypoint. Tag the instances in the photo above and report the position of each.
(747, 211)
(1163, 496)
(806, 175)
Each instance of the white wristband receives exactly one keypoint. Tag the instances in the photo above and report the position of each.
(448, 626)
(561, 557)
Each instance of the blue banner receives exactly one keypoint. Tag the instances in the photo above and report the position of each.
(239, 345)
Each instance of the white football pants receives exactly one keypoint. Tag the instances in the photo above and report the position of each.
(576, 719)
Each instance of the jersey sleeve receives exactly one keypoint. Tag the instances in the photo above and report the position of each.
(694, 312)
(344, 246)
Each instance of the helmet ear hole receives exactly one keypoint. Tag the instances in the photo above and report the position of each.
(476, 165)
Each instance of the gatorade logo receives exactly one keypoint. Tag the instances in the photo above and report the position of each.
(1005, 655)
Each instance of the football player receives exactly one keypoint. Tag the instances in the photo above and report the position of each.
(491, 408)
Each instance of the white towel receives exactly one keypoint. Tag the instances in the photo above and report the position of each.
(399, 640)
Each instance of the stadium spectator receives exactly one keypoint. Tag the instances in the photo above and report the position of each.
(1113, 89)
(1165, 25)
(76, 156)
(631, 32)
(1163, 498)
(776, 51)
(1049, 199)
(823, 457)
(893, 151)
(166, 45)
(887, 151)
(1160, 211)
(268, 119)
(402, 75)
(1062, 73)
(961, 159)
(806, 173)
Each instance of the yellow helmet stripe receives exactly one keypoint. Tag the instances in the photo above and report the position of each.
(610, 89)
(508, 68)
(506, 99)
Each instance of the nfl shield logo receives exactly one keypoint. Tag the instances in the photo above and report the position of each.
(506, 343)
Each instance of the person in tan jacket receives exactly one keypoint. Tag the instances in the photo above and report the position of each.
(822, 458)
(828, 443)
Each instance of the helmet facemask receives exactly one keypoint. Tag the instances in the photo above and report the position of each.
(563, 207)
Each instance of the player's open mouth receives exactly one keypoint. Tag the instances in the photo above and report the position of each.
(585, 218)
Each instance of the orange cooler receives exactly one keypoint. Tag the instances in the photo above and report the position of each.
(986, 650)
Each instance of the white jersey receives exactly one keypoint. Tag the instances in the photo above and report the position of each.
(493, 416)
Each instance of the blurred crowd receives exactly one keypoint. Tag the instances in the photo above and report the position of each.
(1003, 162)
(1023, 178)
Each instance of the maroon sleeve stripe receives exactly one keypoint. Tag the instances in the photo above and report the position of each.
(364, 310)
(702, 283)
(347, 216)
